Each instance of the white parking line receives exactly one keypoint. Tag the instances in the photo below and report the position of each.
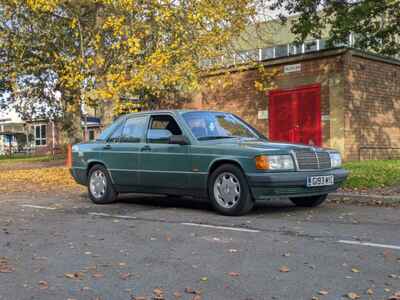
(110, 216)
(221, 227)
(369, 244)
(39, 207)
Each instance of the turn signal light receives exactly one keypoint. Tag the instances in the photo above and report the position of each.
(262, 162)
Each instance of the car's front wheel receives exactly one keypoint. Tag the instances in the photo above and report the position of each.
(310, 201)
(100, 187)
(229, 192)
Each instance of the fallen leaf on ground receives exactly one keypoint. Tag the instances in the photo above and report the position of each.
(43, 285)
(234, 274)
(4, 266)
(124, 275)
(204, 279)
(98, 275)
(284, 269)
(323, 292)
(158, 294)
(189, 290)
(353, 296)
(177, 295)
(75, 275)
(6, 269)
(395, 296)
(355, 270)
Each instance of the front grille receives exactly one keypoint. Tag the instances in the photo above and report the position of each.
(312, 160)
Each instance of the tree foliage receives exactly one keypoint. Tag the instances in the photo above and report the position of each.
(374, 24)
(114, 49)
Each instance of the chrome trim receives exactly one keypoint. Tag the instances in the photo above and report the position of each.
(316, 157)
(157, 171)
(296, 163)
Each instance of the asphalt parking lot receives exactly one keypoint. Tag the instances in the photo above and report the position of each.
(65, 247)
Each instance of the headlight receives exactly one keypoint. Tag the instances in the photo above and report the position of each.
(274, 162)
(336, 160)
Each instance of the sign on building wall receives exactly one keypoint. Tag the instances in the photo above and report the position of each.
(262, 114)
(292, 68)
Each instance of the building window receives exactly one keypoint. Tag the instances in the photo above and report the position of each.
(91, 134)
(322, 44)
(281, 51)
(310, 46)
(267, 53)
(40, 134)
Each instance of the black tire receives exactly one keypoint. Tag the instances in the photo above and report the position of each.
(109, 195)
(311, 201)
(244, 200)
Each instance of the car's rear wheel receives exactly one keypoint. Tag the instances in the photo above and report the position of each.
(310, 201)
(100, 187)
(229, 192)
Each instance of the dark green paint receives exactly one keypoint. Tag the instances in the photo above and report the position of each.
(181, 169)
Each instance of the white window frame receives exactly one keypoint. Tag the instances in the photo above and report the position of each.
(40, 138)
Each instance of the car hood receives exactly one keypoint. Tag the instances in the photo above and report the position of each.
(262, 145)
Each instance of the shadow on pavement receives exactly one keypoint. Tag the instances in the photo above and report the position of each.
(261, 208)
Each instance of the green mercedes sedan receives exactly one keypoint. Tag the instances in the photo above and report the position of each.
(203, 154)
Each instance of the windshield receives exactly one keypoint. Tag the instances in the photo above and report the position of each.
(213, 125)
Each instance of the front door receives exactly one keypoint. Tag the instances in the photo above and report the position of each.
(295, 115)
(164, 166)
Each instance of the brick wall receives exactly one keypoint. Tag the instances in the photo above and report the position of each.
(236, 92)
(372, 113)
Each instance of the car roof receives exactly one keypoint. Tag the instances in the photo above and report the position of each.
(173, 111)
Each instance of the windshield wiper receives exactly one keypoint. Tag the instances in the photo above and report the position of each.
(216, 137)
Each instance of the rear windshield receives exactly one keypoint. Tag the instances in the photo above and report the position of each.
(110, 129)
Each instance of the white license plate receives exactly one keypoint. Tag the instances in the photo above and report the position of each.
(320, 180)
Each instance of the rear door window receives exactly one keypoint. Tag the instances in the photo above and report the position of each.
(134, 130)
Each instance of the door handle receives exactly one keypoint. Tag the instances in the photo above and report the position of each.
(145, 148)
(107, 147)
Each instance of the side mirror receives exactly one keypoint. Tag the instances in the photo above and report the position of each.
(179, 140)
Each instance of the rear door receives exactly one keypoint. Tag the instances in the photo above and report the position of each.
(164, 166)
(121, 152)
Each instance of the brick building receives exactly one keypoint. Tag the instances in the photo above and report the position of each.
(340, 98)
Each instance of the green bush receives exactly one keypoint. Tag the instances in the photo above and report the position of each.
(372, 174)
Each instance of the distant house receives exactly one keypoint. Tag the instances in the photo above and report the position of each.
(39, 136)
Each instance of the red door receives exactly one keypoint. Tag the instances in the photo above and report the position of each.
(295, 115)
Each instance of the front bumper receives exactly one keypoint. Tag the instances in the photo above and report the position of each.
(79, 174)
(292, 184)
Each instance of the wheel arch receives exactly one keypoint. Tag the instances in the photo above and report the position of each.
(219, 162)
(92, 163)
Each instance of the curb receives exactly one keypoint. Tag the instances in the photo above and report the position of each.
(364, 198)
